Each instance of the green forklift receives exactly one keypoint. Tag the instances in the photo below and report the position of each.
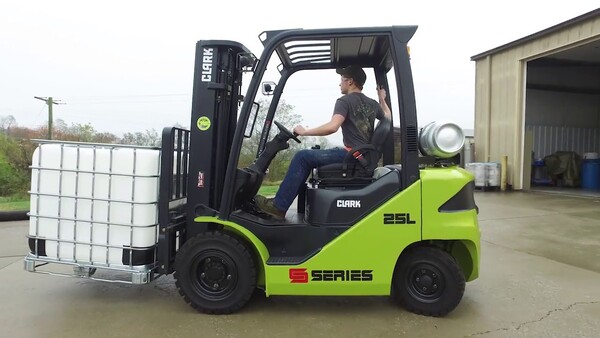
(396, 218)
(405, 227)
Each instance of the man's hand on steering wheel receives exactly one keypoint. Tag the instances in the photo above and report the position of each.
(299, 130)
(286, 132)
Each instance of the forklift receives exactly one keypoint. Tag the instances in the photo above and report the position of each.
(405, 227)
(396, 218)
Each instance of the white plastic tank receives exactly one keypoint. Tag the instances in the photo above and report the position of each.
(479, 171)
(487, 174)
(493, 174)
(89, 203)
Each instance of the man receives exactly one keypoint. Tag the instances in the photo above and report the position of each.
(355, 113)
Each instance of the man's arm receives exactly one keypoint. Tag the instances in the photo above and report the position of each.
(383, 103)
(323, 130)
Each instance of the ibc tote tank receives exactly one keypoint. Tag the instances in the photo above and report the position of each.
(479, 171)
(94, 204)
(493, 174)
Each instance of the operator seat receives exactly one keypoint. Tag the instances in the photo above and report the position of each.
(358, 166)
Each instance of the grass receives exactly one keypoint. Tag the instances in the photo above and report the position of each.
(14, 203)
(269, 188)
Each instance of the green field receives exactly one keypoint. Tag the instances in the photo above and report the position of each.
(268, 190)
(13, 203)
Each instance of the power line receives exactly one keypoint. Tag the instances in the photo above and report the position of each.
(123, 97)
(127, 102)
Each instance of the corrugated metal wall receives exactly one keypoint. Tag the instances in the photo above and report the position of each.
(500, 92)
(482, 121)
(550, 139)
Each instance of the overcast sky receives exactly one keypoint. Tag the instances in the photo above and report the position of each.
(128, 65)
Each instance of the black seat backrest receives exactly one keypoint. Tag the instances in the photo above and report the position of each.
(380, 133)
(378, 138)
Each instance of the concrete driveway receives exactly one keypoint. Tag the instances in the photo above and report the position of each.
(540, 277)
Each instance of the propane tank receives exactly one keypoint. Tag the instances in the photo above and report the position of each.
(441, 139)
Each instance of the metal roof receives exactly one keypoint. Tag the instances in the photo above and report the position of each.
(367, 47)
(539, 34)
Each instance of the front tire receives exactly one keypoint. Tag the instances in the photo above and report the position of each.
(215, 273)
(428, 281)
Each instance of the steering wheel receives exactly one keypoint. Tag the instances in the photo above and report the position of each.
(286, 132)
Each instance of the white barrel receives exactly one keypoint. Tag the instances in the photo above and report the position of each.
(493, 174)
(91, 202)
(479, 171)
(590, 156)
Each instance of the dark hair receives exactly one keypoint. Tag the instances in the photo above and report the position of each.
(356, 73)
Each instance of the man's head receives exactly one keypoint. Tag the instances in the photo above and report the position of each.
(355, 74)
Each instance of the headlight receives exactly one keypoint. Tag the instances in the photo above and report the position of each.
(442, 139)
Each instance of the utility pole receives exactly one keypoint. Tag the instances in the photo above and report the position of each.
(49, 101)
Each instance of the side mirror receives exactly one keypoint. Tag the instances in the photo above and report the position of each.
(268, 88)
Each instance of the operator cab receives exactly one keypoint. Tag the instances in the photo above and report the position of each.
(337, 194)
(232, 149)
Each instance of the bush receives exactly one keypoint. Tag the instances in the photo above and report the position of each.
(15, 157)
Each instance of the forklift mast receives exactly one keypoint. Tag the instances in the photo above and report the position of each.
(218, 73)
(193, 163)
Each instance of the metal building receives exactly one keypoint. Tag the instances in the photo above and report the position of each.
(539, 95)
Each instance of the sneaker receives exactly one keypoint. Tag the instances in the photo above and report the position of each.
(266, 205)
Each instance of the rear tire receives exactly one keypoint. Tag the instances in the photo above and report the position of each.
(428, 281)
(215, 273)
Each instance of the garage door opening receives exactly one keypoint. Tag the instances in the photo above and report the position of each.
(562, 121)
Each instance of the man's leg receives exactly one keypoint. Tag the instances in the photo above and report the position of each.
(299, 170)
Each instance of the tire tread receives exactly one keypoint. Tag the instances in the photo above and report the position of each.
(217, 236)
(456, 275)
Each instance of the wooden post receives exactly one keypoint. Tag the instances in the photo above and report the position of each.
(503, 171)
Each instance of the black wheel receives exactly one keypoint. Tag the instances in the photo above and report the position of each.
(215, 273)
(428, 281)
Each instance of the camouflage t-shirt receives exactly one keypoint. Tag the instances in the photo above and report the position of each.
(359, 112)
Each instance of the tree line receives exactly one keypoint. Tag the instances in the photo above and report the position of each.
(17, 145)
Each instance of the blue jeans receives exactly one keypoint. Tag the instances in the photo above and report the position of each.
(300, 167)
